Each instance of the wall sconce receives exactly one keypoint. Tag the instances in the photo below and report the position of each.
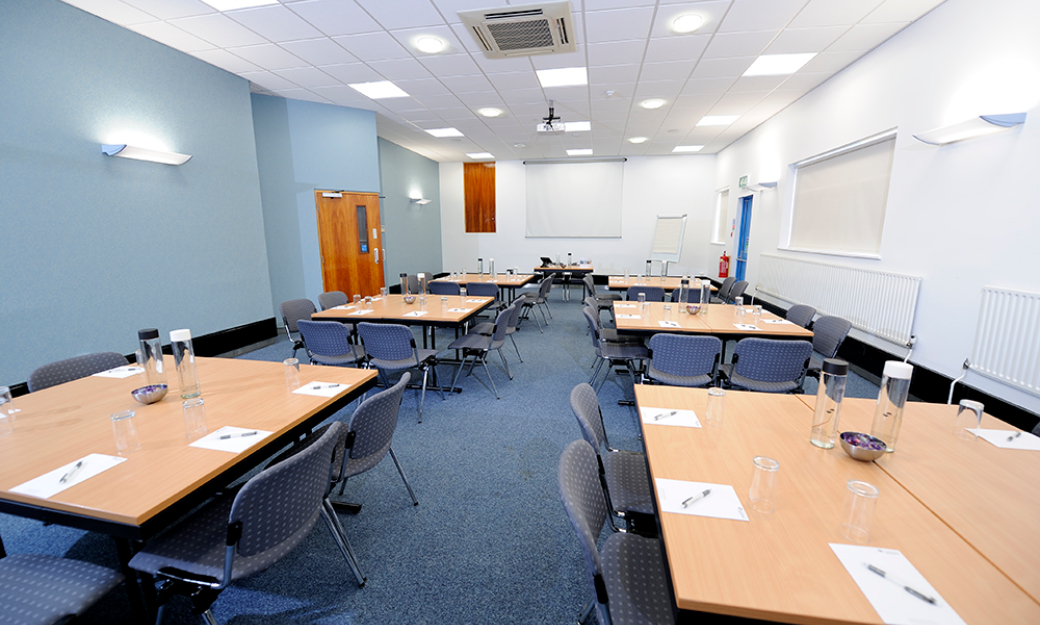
(420, 201)
(142, 154)
(760, 186)
(977, 127)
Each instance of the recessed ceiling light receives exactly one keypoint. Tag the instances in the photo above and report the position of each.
(563, 77)
(652, 103)
(581, 152)
(637, 140)
(519, 145)
(377, 90)
(490, 112)
(230, 5)
(778, 64)
(444, 132)
(577, 126)
(429, 45)
(480, 155)
(718, 120)
(688, 23)
(688, 148)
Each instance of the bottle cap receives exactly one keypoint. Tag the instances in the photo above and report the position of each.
(148, 334)
(835, 366)
(898, 369)
(180, 335)
(684, 281)
(404, 275)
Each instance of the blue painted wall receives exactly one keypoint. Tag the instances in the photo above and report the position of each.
(303, 146)
(92, 248)
(413, 232)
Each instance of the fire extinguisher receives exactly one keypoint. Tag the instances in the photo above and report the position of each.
(724, 266)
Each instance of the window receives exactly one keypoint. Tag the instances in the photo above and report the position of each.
(718, 231)
(479, 189)
(840, 197)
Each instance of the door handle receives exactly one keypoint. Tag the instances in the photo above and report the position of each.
(383, 250)
(376, 250)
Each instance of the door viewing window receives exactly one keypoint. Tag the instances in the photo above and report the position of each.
(479, 188)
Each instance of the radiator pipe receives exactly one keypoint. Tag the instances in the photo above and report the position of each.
(910, 345)
(965, 367)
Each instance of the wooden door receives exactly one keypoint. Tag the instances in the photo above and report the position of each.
(479, 190)
(350, 241)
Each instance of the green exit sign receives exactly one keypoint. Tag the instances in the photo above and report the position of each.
(743, 182)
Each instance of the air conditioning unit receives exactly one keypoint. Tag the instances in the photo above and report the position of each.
(524, 30)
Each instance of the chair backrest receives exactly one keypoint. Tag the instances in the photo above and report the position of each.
(332, 299)
(585, 406)
(727, 284)
(800, 314)
(737, 290)
(592, 317)
(372, 425)
(682, 355)
(516, 307)
(501, 325)
(387, 341)
(413, 283)
(653, 293)
(771, 360)
(545, 287)
(590, 284)
(482, 289)
(586, 506)
(828, 335)
(444, 288)
(294, 310)
(73, 368)
(325, 338)
(279, 506)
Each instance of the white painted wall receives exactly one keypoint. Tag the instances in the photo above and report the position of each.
(667, 185)
(961, 216)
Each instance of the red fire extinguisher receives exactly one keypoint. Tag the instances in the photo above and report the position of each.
(724, 266)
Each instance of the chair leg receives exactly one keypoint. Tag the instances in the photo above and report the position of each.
(483, 361)
(340, 536)
(458, 371)
(422, 396)
(595, 372)
(586, 612)
(506, 363)
(208, 618)
(411, 493)
(516, 348)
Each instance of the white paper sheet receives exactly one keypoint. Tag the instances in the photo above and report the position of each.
(669, 324)
(475, 301)
(777, 321)
(628, 316)
(722, 503)
(892, 602)
(1023, 440)
(343, 307)
(120, 372)
(49, 484)
(236, 444)
(624, 306)
(745, 326)
(416, 313)
(459, 310)
(365, 311)
(681, 418)
(321, 389)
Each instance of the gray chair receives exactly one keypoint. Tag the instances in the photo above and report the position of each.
(485, 289)
(1036, 429)
(413, 283)
(332, 299)
(610, 335)
(800, 314)
(292, 311)
(477, 346)
(768, 365)
(737, 291)
(40, 590)
(680, 360)
(652, 293)
(722, 296)
(828, 335)
(242, 532)
(626, 577)
(73, 368)
(539, 300)
(391, 348)
(444, 288)
(623, 474)
(612, 353)
(488, 327)
(328, 343)
(590, 286)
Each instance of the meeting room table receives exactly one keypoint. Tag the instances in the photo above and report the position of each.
(576, 271)
(668, 283)
(961, 513)
(508, 282)
(134, 495)
(722, 320)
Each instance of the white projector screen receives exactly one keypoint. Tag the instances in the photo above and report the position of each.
(574, 199)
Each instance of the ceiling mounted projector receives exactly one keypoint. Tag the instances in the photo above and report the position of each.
(551, 122)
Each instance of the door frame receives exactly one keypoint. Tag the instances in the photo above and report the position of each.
(743, 237)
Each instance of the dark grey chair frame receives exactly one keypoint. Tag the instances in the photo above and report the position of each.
(801, 314)
(477, 345)
(292, 311)
(331, 299)
(722, 296)
(769, 365)
(393, 354)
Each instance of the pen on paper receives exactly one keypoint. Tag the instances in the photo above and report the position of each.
(238, 435)
(319, 387)
(71, 472)
(665, 415)
(692, 500)
(920, 595)
(1011, 438)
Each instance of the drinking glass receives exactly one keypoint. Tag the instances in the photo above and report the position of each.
(763, 484)
(357, 299)
(292, 374)
(7, 408)
(969, 415)
(860, 501)
(195, 417)
(716, 411)
(124, 432)
(642, 301)
(382, 291)
(756, 312)
(667, 312)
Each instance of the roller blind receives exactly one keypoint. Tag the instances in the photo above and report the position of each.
(839, 199)
(574, 199)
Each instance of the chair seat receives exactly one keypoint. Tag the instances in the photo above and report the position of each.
(627, 481)
(40, 589)
(339, 361)
(610, 335)
(678, 380)
(472, 340)
(622, 351)
(610, 297)
(633, 570)
(404, 363)
(739, 381)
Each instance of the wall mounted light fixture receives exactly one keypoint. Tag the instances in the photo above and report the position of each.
(420, 201)
(976, 127)
(761, 186)
(142, 154)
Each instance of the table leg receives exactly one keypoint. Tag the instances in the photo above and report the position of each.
(135, 585)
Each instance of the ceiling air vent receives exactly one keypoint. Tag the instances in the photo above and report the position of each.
(522, 30)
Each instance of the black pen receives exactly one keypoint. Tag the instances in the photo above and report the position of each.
(71, 472)
(696, 498)
(664, 415)
(1011, 438)
(920, 595)
(238, 435)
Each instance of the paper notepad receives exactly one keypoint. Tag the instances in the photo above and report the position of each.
(721, 503)
(624, 305)
(669, 324)
(745, 326)
(235, 444)
(681, 418)
(1019, 440)
(475, 301)
(627, 316)
(416, 313)
(343, 307)
(890, 599)
(50, 484)
(120, 372)
(321, 389)
(777, 321)
(366, 311)
(459, 310)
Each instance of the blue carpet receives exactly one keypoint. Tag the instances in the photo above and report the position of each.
(489, 542)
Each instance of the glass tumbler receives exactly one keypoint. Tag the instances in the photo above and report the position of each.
(969, 417)
(195, 417)
(292, 374)
(860, 502)
(763, 491)
(716, 411)
(124, 432)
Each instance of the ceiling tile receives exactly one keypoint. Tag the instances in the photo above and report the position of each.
(688, 101)
(320, 52)
(456, 113)
(658, 89)
(226, 61)
(219, 30)
(402, 13)
(797, 40)
(400, 69)
(351, 73)
(805, 81)
(307, 77)
(514, 80)
(732, 45)
(498, 66)
(866, 36)
(335, 17)
(559, 60)
(618, 25)
(712, 12)
(567, 93)
(275, 23)
(747, 15)
(617, 77)
(268, 80)
(341, 94)
(171, 9)
(833, 12)
(476, 99)
(620, 53)
(449, 8)
(518, 98)
(373, 46)
(268, 56)
(676, 49)
(678, 70)
(172, 36)
(451, 65)
(757, 83)
(901, 10)
(438, 101)
(467, 84)
(831, 61)
(715, 68)
(407, 36)
(698, 86)
(114, 11)
(302, 94)
(736, 103)
(422, 86)
(464, 37)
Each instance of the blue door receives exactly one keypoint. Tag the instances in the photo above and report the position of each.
(745, 236)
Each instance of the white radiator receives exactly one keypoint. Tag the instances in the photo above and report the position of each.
(877, 302)
(1007, 340)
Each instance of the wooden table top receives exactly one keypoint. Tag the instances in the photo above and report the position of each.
(61, 424)
(965, 483)
(393, 308)
(501, 279)
(719, 319)
(669, 283)
(561, 268)
(779, 566)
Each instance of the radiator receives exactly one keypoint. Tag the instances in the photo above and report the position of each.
(877, 302)
(1007, 340)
